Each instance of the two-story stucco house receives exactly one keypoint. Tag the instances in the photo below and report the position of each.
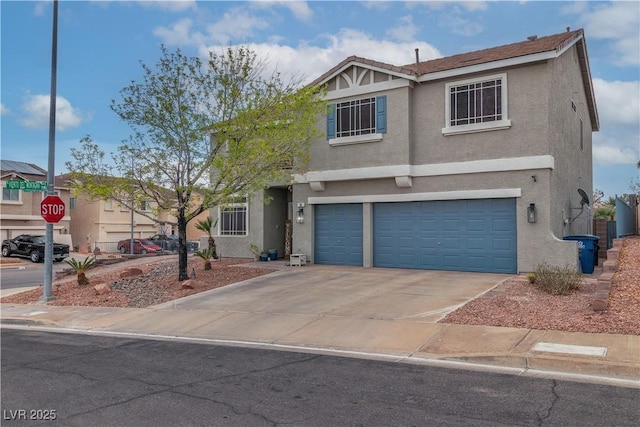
(20, 209)
(470, 162)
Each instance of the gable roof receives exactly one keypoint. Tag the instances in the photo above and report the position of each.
(531, 50)
(26, 171)
(531, 46)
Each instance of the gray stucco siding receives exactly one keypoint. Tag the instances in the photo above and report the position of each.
(574, 165)
(392, 149)
(527, 109)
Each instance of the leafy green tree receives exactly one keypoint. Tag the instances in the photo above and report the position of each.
(204, 132)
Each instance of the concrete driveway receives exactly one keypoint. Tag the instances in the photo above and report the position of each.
(365, 293)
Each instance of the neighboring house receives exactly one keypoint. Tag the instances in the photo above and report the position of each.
(102, 223)
(471, 162)
(20, 209)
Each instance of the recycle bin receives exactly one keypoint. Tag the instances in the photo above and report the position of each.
(587, 251)
(273, 254)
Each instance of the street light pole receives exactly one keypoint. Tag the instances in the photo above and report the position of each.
(48, 253)
(132, 203)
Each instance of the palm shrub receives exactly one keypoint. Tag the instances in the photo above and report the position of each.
(206, 255)
(206, 225)
(557, 280)
(80, 267)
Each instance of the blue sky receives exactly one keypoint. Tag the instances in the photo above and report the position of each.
(101, 44)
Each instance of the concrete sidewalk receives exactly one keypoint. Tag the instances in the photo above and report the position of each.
(247, 314)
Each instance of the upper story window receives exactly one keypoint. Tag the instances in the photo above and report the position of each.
(145, 206)
(108, 205)
(10, 195)
(356, 121)
(73, 203)
(476, 105)
(234, 218)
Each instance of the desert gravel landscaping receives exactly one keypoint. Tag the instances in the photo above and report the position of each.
(514, 303)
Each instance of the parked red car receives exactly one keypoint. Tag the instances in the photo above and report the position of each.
(139, 247)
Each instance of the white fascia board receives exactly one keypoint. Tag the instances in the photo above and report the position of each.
(498, 193)
(435, 169)
(488, 66)
(367, 89)
(481, 166)
(569, 45)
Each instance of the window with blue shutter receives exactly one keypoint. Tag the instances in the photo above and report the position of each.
(331, 121)
(358, 117)
(381, 114)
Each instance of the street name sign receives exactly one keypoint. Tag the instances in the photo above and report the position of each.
(26, 186)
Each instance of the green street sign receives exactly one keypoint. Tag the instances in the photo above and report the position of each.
(26, 186)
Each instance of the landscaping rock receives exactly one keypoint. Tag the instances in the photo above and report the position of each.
(102, 288)
(130, 272)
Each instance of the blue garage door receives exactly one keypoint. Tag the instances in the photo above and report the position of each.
(338, 234)
(461, 235)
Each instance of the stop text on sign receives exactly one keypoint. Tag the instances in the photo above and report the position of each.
(52, 210)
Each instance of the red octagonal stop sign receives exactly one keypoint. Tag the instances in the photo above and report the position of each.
(52, 209)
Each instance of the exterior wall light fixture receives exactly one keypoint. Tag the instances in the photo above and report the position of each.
(531, 213)
(300, 216)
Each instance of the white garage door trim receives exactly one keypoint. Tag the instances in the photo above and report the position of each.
(499, 193)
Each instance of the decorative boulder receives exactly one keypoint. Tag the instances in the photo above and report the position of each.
(130, 272)
(190, 284)
(102, 288)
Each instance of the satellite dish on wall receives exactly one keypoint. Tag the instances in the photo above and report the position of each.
(585, 198)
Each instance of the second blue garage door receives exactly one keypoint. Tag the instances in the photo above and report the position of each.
(338, 234)
(461, 235)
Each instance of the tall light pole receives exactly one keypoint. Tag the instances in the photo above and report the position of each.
(48, 253)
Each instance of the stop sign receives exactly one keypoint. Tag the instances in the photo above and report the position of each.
(52, 209)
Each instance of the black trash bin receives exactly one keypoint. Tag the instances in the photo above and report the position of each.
(587, 251)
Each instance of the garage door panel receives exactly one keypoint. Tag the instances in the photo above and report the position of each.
(463, 235)
(338, 234)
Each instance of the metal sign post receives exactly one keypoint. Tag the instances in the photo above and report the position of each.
(48, 252)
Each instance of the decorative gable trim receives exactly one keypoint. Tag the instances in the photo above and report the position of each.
(367, 89)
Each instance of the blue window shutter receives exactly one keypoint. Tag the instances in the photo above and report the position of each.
(381, 114)
(331, 121)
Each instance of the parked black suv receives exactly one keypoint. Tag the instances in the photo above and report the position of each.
(30, 246)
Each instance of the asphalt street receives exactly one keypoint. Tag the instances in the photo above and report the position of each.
(79, 380)
(29, 274)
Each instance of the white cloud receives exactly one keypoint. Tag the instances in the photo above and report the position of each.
(462, 26)
(179, 34)
(36, 113)
(607, 154)
(378, 5)
(300, 9)
(405, 31)
(170, 5)
(617, 106)
(309, 62)
(470, 5)
(474, 5)
(4, 110)
(618, 21)
(38, 9)
(235, 24)
(618, 141)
